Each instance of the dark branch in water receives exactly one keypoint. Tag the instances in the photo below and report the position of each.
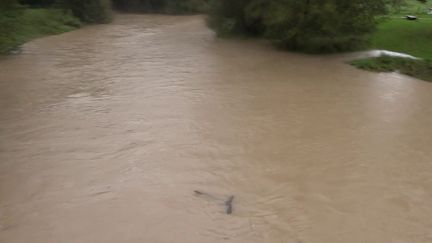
(206, 195)
(198, 192)
(229, 205)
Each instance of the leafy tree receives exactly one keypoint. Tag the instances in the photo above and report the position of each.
(37, 3)
(229, 17)
(138, 5)
(308, 25)
(90, 11)
(161, 6)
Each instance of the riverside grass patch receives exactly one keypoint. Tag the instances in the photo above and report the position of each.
(418, 68)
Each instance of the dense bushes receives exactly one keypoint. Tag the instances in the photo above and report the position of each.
(90, 11)
(38, 3)
(186, 6)
(309, 25)
(9, 22)
(162, 6)
(229, 17)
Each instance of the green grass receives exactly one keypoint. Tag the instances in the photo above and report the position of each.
(400, 35)
(421, 69)
(34, 23)
(40, 22)
(412, 37)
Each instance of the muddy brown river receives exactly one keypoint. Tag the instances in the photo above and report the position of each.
(107, 131)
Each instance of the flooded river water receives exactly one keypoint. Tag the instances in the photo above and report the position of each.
(105, 133)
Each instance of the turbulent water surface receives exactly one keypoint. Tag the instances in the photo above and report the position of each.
(106, 132)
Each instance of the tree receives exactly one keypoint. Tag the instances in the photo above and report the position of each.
(161, 6)
(37, 3)
(90, 11)
(308, 25)
(228, 17)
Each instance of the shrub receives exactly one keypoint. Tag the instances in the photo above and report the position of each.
(310, 25)
(162, 6)
(90, 11)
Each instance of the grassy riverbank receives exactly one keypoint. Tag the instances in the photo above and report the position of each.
(34, 23)
(41, 22)
(421, 69)
(400, 35)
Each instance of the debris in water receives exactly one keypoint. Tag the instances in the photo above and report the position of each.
(229, 205)
(198, 192)
(206, 195)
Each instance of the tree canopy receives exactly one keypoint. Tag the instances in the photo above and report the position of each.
(164, 6)
(90, 11)
(309, 25)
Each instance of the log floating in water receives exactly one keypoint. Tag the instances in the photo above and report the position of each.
(228, 202)
(229, 205)
(198, 192)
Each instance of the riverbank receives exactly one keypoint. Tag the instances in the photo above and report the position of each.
(400, 35)
(34, 23)
(394, 33)
(418, 68)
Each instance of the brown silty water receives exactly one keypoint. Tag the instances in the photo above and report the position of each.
(107, 131)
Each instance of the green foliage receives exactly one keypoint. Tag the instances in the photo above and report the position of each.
(10, 13)
(162, 6)
(185, 6)
(229, 17)
(421, 69)
(138, 5)
(33, 23)
(90, 11)
(18, 24)
(40, 22)
(37, 3)
(309, 25)
(411, 7)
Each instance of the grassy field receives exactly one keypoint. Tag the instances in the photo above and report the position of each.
(411, 37)
(400, 35)
(33, 23)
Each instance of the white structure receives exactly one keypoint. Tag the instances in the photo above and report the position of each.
(430, 11)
